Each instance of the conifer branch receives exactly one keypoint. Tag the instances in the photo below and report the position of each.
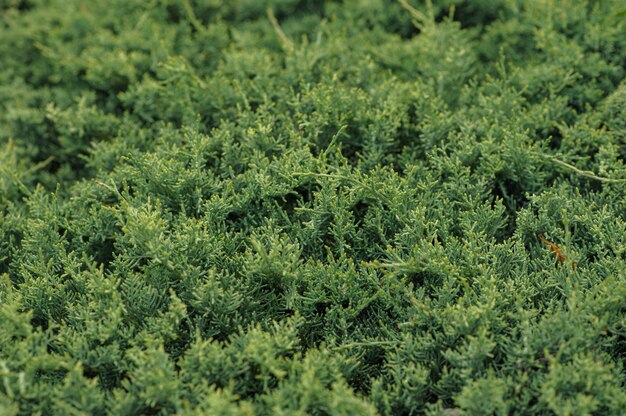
(286, 42)
(40, 165)
(342, 177)
(364, 344)
(111, 189)
(329, 175)
(192, 16)
(420, 17)
(585, 173)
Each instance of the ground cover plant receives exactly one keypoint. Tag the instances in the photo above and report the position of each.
(291, 207)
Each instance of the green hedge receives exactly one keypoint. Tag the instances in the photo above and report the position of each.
(291, 207)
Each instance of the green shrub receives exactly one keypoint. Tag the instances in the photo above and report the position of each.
(291, 207)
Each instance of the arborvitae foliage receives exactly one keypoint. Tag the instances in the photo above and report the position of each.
(290, 207)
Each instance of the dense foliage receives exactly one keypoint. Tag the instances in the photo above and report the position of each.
(312, 207)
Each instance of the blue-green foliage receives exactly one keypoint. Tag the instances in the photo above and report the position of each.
(288, 207)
